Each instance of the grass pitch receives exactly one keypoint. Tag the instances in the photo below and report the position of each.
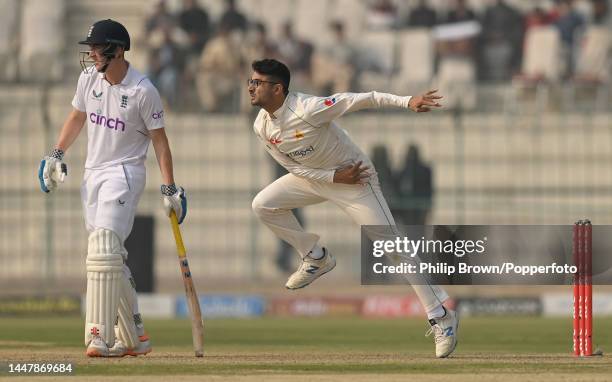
(279, 349)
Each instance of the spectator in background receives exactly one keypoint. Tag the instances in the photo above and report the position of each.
(456, 74)
(388, 184)
(415, 189)
(569, 22)
(159, 18)
(220, 73)
(502, 36)
(382, 15)
(460, 13)
(601, 11)
(232, 19)
(422, 16)
(332, 65)
(166, 62)
(537, 17)
(296, 54)
(257, 45)
(195, 23)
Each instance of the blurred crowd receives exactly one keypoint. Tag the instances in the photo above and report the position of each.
(200, 62)
(192, 57)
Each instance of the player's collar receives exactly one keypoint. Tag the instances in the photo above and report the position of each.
(279, 112)
(129, 77)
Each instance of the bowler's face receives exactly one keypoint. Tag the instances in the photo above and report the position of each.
(261, 89)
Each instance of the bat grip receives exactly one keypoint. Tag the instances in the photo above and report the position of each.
(178, 238)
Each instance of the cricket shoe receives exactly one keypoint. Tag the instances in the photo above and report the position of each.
(310, 270)
(97, 348)
(121, 350)
(445, 333)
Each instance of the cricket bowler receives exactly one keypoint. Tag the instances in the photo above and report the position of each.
(299, 132)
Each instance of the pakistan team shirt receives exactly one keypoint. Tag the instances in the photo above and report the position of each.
(303, 137)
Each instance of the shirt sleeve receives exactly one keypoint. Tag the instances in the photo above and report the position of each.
(78, 101)
(298, 169)
(151, 108)
(321, 110)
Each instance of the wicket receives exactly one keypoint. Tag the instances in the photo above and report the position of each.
(583, 288)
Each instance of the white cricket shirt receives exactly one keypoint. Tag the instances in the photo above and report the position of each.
(303, 137)
(119, 117)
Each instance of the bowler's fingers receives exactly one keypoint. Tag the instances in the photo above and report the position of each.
(363, 175)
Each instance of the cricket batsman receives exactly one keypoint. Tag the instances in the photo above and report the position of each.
(299, 132)
(124, 113)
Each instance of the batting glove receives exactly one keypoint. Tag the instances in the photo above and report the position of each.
(174, 199)
(52, 170)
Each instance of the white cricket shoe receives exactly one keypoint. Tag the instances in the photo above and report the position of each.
(445, 333)
(97, 348)
(310, 270)
(121, 350)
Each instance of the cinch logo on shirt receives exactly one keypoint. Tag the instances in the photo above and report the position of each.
(103, 120)
(158, 115)
(329, 101)
(301, 153)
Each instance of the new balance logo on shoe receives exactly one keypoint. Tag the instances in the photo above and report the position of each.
(310, 270)
(448, 331)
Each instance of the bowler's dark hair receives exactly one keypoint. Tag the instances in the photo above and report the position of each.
(277, 71)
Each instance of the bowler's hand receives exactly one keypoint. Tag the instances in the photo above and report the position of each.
(425, 102)
(354, 174)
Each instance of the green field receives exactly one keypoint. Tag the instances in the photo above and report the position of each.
(509, 348)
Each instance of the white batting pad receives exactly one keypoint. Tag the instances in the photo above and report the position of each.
(126, 326)
(104, 275)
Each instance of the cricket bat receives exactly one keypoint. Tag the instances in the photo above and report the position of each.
(197, 327)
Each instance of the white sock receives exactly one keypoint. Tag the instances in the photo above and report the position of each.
(437, 312)
(316, 252)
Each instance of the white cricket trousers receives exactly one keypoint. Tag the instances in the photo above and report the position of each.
(365, 204)
(110, 197)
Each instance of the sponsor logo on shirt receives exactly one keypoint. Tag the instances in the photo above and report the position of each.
(124, 100)
(301, 153)
(102, 120)
(274, 141)
(298, 134)
(329, 101)
(158, 115)
(97, 96)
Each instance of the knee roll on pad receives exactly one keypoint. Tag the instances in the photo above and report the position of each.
(104, 275)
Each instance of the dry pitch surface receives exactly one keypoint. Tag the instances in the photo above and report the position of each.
(319, 349)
